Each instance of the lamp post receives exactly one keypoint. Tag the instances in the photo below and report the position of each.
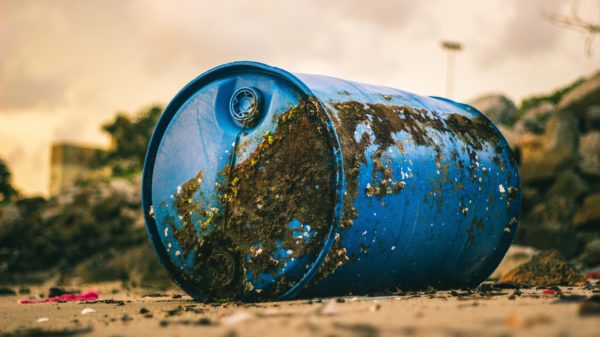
(451, 47)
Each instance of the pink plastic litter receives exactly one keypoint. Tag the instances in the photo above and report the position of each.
(595, 275)
(91, 295)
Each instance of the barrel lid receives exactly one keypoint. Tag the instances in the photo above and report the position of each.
(243, 185)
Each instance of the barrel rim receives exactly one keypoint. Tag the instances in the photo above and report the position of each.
(171, 110)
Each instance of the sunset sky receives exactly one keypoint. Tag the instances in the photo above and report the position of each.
(68, 66)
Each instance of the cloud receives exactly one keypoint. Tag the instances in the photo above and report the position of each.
(385, 14)
(525, 33)
(67, 66)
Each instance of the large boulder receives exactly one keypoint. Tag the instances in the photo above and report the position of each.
(582, 97)
(548, 226)
(534, 120)
(9, 216)
(542, 156)
(510, 135)
(568, 184)
(589, 213)
(498, 108)
(589, 153)
(592, 118)
(591, 255)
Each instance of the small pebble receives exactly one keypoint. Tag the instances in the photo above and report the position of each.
(87, 311)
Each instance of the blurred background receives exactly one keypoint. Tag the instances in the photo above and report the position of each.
(82, 84)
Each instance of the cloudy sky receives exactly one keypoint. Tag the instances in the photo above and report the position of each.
(68, 66)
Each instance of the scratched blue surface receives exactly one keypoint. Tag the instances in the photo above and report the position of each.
(423, 236)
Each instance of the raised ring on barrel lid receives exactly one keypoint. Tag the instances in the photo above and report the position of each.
(245, 105)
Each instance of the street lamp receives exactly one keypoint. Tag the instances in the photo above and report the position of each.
(452, 47)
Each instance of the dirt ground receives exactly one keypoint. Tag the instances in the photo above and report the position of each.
(492, 312)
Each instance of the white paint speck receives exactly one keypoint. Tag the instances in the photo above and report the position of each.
(364, 233)
(393, 248)
(166, 231)
(87, 311)
(42, 320)
(177, 253)
(179, 189)
(501, 189)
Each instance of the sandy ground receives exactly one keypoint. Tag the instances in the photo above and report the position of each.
(442, 313)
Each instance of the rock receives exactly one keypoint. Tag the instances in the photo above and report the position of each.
(129, 190)
(9, 216)
(591, 253)
(589, 214)
(546, 268)
(498, 108)
(531, 196)
(6, 291)
(515, 256)
(592, 118)
(589, 153)
(548, 226)
(511, 136)
(583, 96)
(542, 156)
(554, 212)
(561, 137)
(530, 150)
(590, 307)
(568, 184)
(534, 120)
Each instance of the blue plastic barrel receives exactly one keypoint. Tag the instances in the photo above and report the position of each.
(260, 184)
